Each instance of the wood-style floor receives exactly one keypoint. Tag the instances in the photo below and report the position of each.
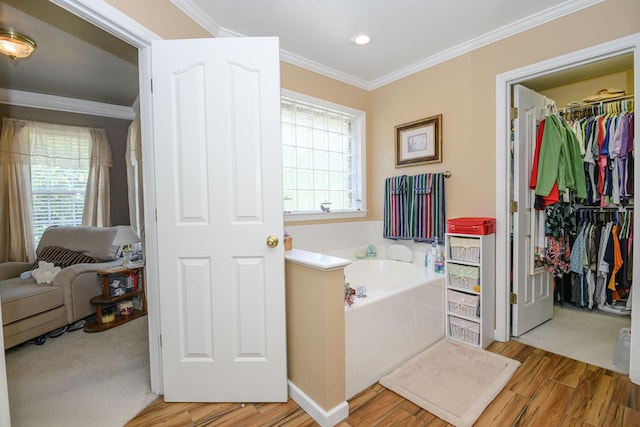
(547, 390)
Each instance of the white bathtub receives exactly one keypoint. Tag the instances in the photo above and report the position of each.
(402, 315)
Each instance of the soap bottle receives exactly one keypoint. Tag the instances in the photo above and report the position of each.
(439, 262)
(431, 263)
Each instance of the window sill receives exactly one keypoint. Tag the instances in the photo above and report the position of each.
(312, 216)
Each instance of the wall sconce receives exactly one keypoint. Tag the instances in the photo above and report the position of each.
(16, 45)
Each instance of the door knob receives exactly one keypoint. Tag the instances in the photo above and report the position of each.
(272, 241)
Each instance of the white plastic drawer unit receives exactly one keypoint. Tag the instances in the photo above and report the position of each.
(470, 287)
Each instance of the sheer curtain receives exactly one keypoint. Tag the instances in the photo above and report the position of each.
(23, 143)
(97, 208)
(16, 227)
(134, 178)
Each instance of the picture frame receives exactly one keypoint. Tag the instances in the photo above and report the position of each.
(419, 142)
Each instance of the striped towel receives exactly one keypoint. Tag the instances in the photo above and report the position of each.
(427, 214)
(397, 195)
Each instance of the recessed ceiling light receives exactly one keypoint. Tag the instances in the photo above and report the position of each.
(361, 39)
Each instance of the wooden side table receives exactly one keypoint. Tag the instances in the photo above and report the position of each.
(107, 298)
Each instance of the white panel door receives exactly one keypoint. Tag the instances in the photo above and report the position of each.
(532, 286)
(216, 106)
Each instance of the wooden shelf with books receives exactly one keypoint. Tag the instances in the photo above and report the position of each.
(122, 299)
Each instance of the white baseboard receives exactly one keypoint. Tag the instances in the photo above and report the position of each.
(324, 418)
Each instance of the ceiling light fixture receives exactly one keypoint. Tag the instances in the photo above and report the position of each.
(16, 45)
(361, 39)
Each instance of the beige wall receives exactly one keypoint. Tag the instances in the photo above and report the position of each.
(315, 333)
(304, 81)
(162, 17)
(461, 89)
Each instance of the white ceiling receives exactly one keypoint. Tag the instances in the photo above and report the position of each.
(77, 60)
(407, 35)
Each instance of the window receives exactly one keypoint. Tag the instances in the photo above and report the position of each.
(322, 158)
(59, 173)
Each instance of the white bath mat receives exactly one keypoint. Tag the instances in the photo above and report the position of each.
(452, 380)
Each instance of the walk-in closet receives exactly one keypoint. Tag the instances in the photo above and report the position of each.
(576, 169)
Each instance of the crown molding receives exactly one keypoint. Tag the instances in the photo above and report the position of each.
(512, 29)
(225, 32)
(69, 105)
(316, 67)
(113, 21)
(565, 8)
(195, 13)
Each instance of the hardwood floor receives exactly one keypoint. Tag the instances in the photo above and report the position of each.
(547, 390)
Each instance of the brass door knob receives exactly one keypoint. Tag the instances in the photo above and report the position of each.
(272, 241)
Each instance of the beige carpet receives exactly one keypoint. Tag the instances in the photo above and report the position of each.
(588, 336)
(81, 379)
(452, 380)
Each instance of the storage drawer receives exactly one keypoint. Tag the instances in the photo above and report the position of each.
(464, 249)
(464, 276)
(464, 330)
(464, 304)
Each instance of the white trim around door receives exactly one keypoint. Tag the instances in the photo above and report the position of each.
(115, 22)
(504, 82)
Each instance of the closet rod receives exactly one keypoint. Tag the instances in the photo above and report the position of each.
(595, 103)
(606, 208)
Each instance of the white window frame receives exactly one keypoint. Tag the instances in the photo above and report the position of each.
(58, 135)
(360, 136)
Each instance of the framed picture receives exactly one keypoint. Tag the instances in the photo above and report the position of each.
(419, 142)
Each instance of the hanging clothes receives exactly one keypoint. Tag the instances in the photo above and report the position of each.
(608, 157)
(557, 177)
(560, 230)
(559, 160)
(577, 264)
(617, 258)
(552, 197)
(602, 245)
(625, 274)
(586, 162)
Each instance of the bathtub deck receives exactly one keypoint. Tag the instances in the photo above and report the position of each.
(582, 394)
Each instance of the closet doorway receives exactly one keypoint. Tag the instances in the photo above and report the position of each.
(575, 320)
(577, 69)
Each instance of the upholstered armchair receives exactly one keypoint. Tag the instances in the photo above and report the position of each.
(31, 309)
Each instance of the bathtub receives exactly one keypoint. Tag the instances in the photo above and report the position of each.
(402, 315)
